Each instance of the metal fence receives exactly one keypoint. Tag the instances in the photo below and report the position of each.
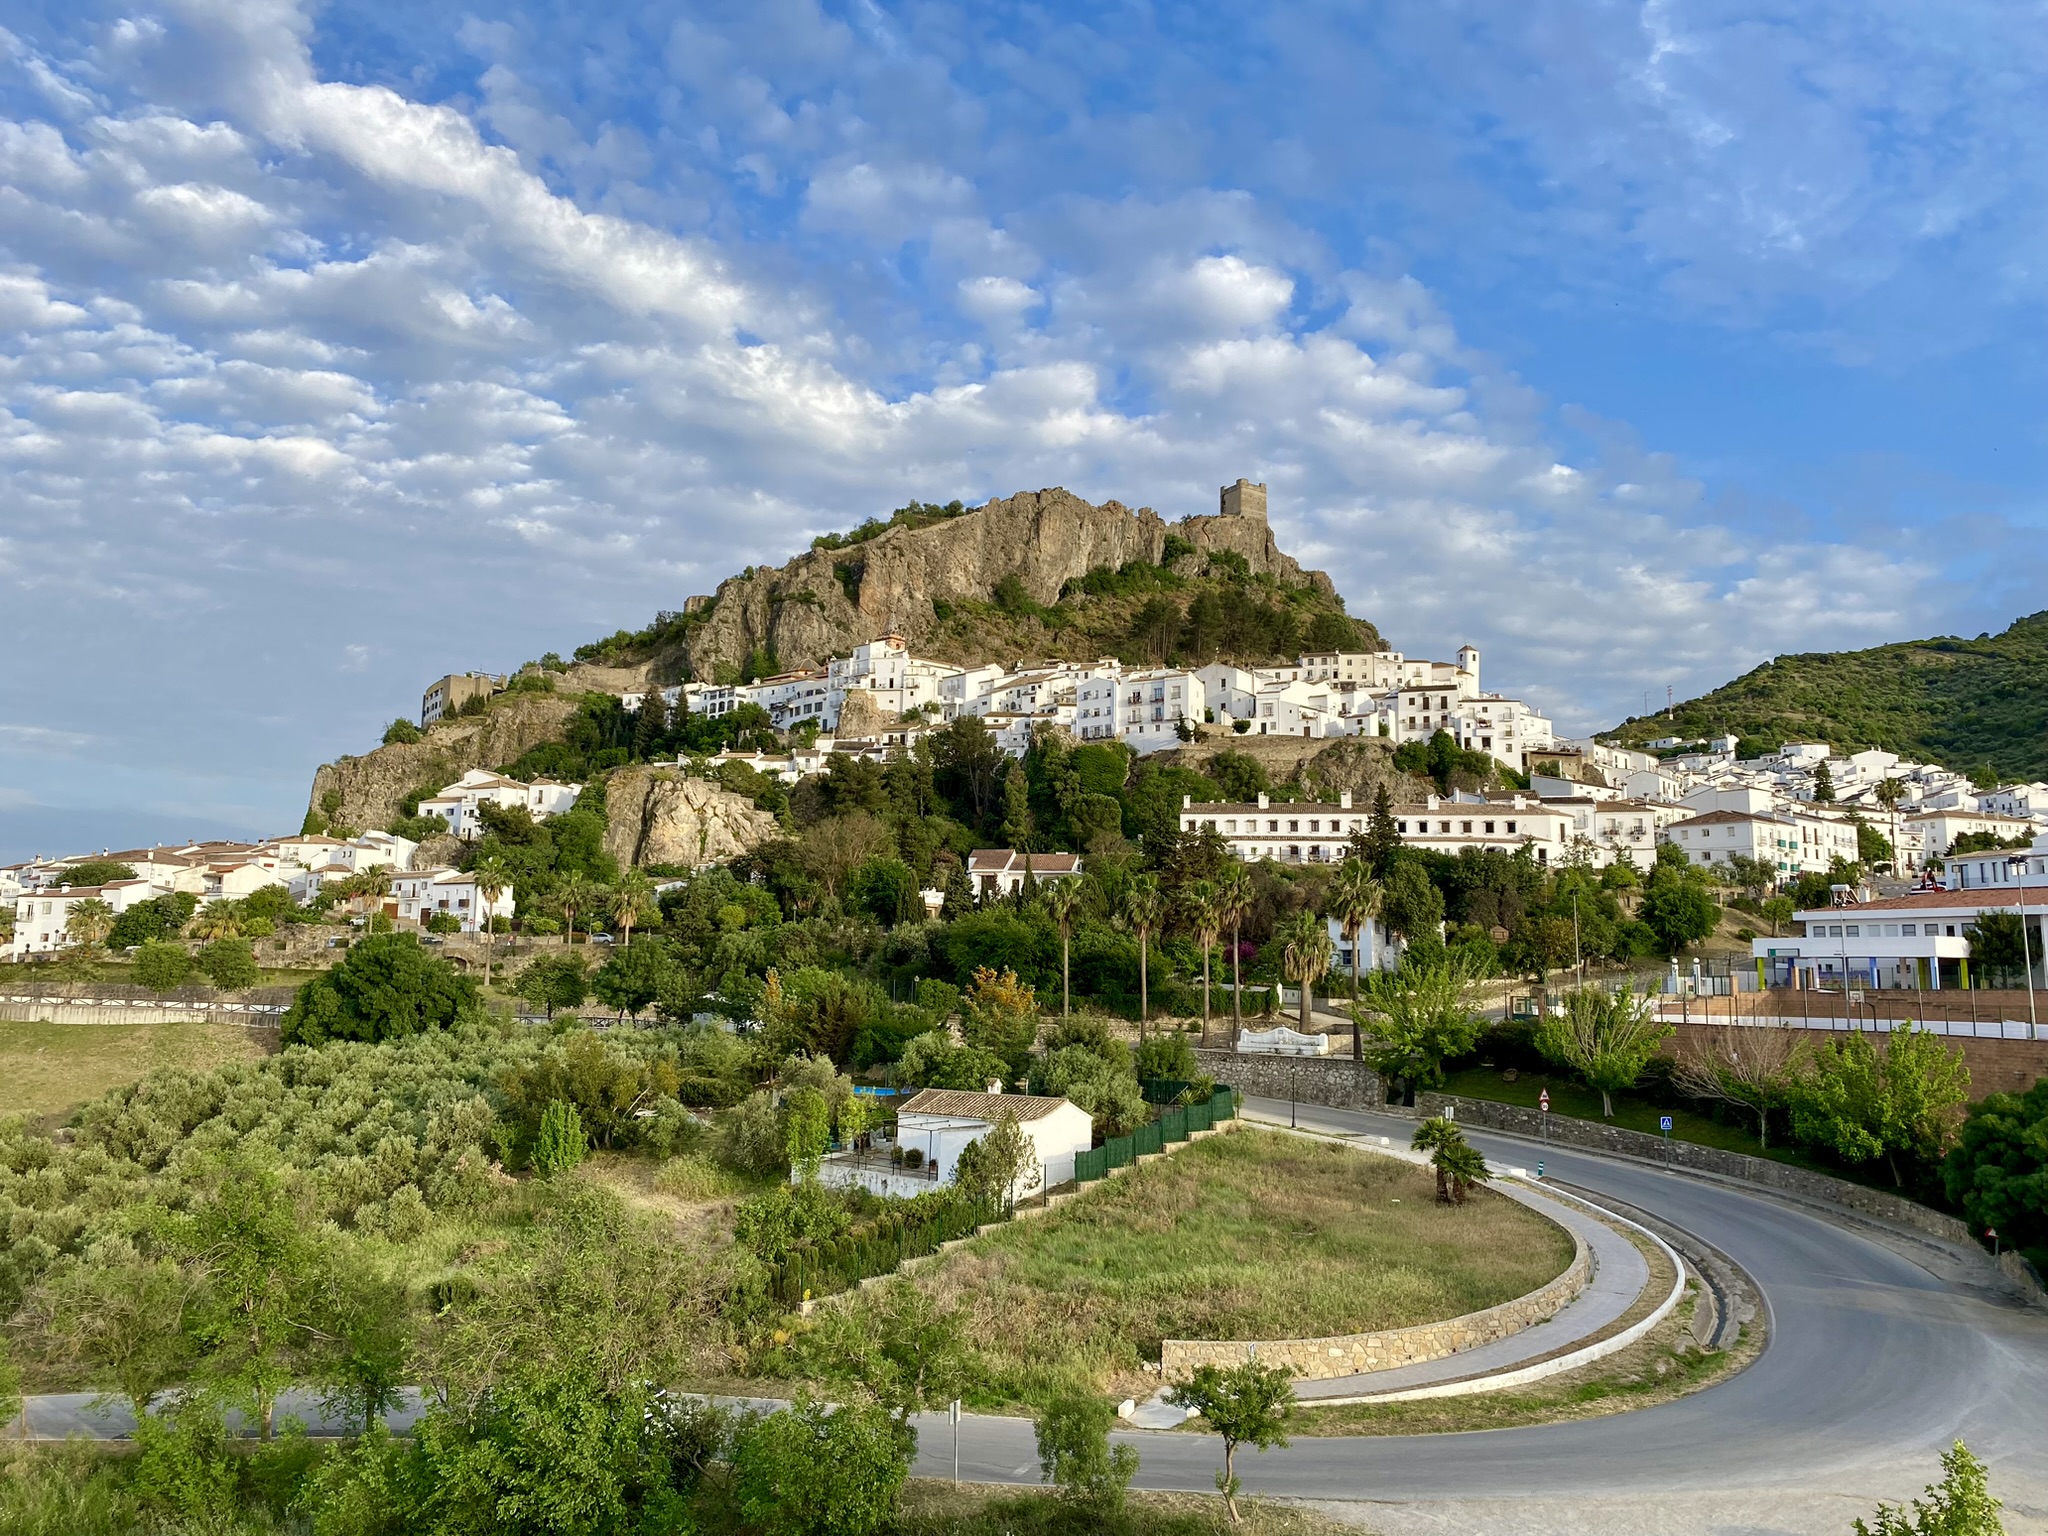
(1175, 1123)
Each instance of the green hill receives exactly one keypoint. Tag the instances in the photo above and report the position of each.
(1980, 706)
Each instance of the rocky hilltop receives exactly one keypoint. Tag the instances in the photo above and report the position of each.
(657, 816)
(902, 581)
(369, 791)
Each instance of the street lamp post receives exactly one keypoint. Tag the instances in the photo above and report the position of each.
(2017, 864)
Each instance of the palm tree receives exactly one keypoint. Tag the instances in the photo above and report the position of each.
(1233, 900)
(491, 879)
(1307, 957)
(1459, 1165)
(1203, 905)
(1142, 907)
(89, 922)
(221, 920)
(630, 899)
(365, 887)
(575, 893)
(1354, 901)
(1063, 901)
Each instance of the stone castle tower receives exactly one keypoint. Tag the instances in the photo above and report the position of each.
(1244, 500)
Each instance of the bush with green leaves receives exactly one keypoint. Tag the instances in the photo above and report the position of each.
(162, 966)
(160, 917)
(1075, 1455)
(387, 986)
(818, 1470)
(1959, 1505)
(229, 964)
(560, 1143)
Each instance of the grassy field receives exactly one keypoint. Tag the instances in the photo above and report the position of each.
(51, 1069)
(1244, 1236)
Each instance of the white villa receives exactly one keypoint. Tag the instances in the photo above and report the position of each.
(459, 803)
(938, 1124)
(420, 894)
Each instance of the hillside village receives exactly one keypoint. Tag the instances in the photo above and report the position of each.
(1473, 772)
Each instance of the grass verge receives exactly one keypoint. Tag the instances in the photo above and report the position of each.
(932, 1508)
(1248, 1235)
(51, 1069)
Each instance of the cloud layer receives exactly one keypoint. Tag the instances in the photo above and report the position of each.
(334, 354)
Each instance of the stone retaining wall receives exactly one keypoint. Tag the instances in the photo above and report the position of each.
(118, 1003)
(1334, 1082)
(1354, 1353)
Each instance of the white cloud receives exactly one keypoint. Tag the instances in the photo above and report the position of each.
(362, 392)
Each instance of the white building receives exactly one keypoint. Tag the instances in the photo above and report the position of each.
(939, 1123)
(884, 669)
(791, 698)
(459, 804)
(1312, 833)
(40, 916)
(1917, 941)
(1789, 842)
(1999, 870)
(422, 893)
(1001, 871)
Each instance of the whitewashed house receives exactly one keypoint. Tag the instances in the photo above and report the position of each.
(40, 916)
(1001, 871)
(939, 1123)
(421, 894)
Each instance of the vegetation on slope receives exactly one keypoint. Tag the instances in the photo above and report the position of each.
(1976, 705)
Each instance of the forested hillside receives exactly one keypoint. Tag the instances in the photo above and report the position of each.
(1976, 705)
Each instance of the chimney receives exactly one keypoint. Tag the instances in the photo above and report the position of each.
(1429, 802)
(1186, 801)
(1344, 801)
(1264, 800)
(995, 1085)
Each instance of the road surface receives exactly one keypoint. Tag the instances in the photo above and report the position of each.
(1882, 1352)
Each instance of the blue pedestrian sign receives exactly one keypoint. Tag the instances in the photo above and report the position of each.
(1663, 1122)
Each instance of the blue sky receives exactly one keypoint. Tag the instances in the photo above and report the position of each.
(348, 344)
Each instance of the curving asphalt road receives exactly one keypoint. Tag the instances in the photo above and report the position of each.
(1882, 1351)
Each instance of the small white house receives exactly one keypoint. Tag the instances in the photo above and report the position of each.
(938, 1124)
(1001, 871)
(421, 894)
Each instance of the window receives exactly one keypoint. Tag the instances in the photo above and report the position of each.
(1906, 931)
(1444, 827)
(1294, 826)
(1853, 931)
(1489, 826)
(1511, 829)
(1401, 827)
(1272, 826)
(1465, 827)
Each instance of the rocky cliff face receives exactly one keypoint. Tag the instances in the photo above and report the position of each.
(656, 816)
(366, 792)
(827, 601)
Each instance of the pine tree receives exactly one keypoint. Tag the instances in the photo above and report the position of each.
(1376, 845)
(650, 726)
(1017, 810)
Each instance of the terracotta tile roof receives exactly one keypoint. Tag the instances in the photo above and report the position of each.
(979, 1106)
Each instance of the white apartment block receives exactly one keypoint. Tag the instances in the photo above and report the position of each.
(884, 668)
(1610, 829)
(2000, 867)
(420, 894)
(40, 916)
(1789, 842)
(459, 804)
(1314, 833)
(708, 699)
(791, 698)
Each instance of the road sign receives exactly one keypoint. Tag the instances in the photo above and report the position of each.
(1539, 1167)
(953, 1413)
(1663, 1122)
(1543, 1101)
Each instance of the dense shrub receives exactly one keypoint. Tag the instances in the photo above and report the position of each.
(388, 986)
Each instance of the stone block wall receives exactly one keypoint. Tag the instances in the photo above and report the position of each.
(1353, 1353)
(1332, 1081)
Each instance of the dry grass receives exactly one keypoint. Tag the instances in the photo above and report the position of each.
(1245, 1236)
(51, 1069)
(933, 1508)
